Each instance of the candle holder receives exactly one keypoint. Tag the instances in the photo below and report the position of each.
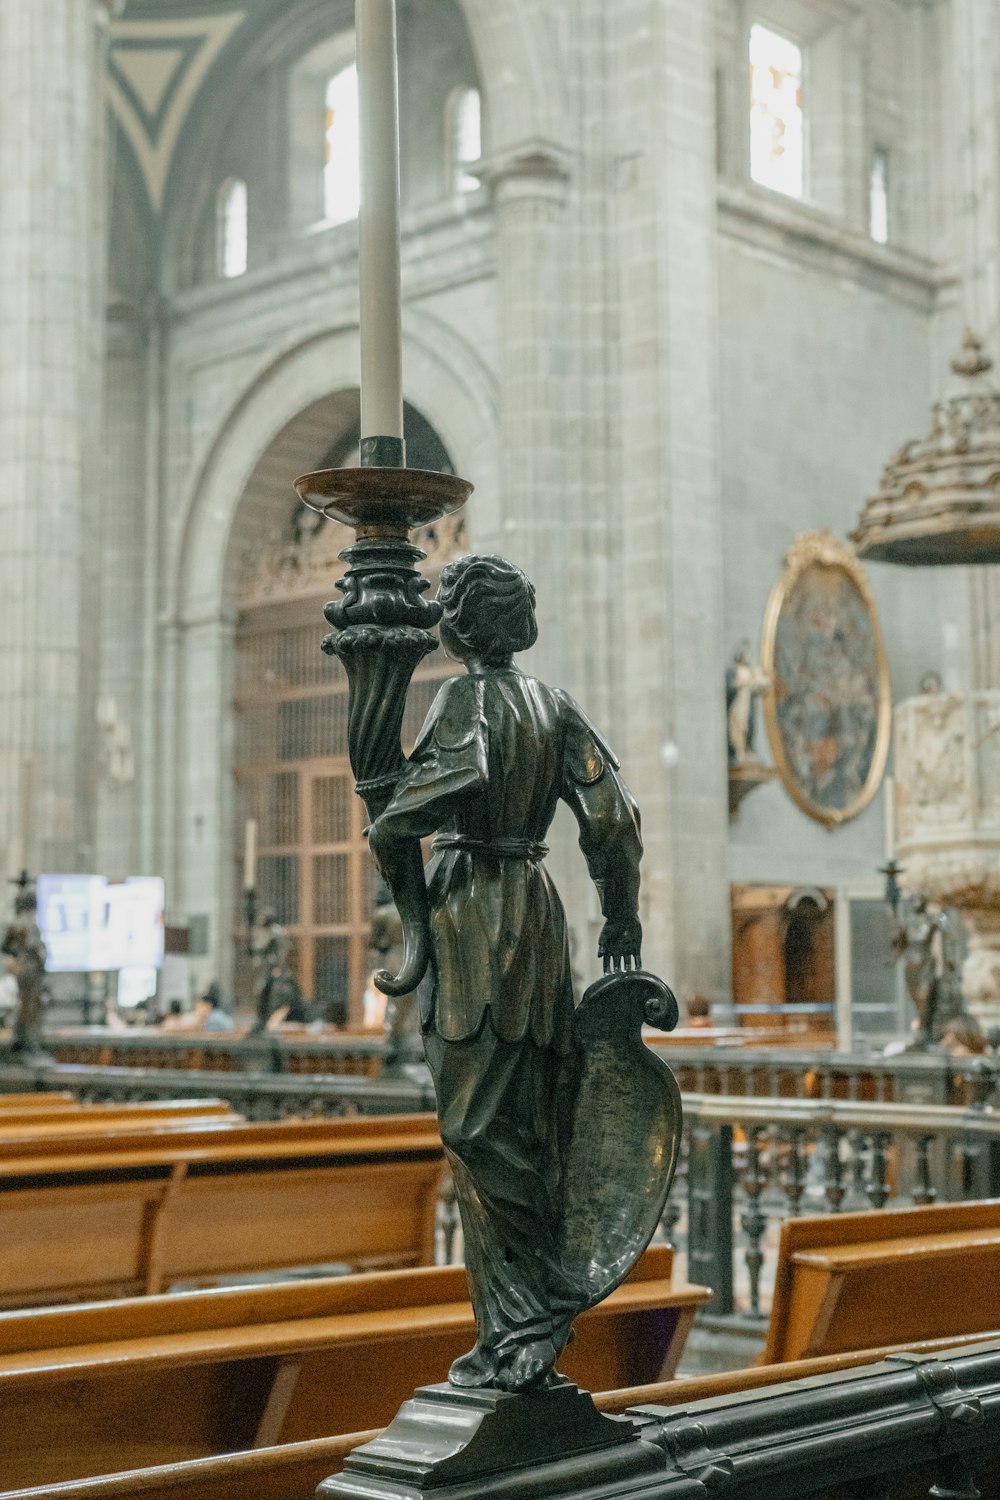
(382, 631)
(504, 1411)
(383, 624)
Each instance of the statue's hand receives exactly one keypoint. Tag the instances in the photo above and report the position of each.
(620, 944)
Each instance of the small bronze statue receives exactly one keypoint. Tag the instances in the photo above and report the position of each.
(561, 1128)
(274, 984)
(405, 1053)
(26, 956)
(745, 683)
(931, 947)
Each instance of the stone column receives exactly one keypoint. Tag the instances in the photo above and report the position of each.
(541, 520)
(530, 190)
(970, 166)
(670, 560)
(49, 382)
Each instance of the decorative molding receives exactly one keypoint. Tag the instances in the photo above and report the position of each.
(305, 557)
(155, 69)
(939, 498)
(806, 235)
(534, 168)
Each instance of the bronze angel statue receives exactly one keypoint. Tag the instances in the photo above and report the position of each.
(561, 1127)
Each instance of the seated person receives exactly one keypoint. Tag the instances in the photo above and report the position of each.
(295, 1013)
(210, 1012)
(176, 1019)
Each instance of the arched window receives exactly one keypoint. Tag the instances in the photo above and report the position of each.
(465, 138)
(231, 227)
(342, 169)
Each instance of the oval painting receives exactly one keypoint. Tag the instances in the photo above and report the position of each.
(829, 714)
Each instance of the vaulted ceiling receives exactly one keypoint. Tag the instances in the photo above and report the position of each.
(162, 58)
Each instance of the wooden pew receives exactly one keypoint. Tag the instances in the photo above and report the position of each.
(855, 1281)
(293, 1471)
(87, 1119)
(38, 1099)
(167, 1378)
(117, 1213)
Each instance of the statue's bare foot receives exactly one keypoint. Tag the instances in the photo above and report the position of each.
(529, 1367)
(474, 1370)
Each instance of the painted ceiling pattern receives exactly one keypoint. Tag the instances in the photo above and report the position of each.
(159, 58)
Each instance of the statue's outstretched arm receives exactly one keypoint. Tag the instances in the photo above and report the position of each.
(610, 838)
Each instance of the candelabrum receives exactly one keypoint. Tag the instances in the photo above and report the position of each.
(383, 627)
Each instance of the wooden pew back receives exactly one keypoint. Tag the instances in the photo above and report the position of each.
(196, 1374)
(88, 1119)
(38, 1099)
(293, 1471)
(113, 1214)
(857, 1281)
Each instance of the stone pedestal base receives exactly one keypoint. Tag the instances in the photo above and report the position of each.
(455, 1445)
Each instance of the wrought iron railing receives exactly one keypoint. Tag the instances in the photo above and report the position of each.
(748, 1164)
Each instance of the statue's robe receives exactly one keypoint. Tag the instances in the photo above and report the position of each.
(497, 753)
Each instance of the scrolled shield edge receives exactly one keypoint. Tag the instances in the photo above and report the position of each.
(624, 1135)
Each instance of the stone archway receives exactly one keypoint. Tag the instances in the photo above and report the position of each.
(279, 426)
(517, 53)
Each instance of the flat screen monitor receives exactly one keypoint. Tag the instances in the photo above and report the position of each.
(93, 925)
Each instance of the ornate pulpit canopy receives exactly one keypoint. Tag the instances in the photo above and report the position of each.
(939, 500)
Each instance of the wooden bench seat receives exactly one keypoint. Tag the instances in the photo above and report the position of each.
(86, 1119)
(188, 1376)
(38, 1099)
(854, 1281)
(116, 1213)
(292, 1471)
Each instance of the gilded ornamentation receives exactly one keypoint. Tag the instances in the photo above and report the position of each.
(939, 498)
(829, 714)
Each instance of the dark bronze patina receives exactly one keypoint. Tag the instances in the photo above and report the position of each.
(274, 984)
(561, 1127)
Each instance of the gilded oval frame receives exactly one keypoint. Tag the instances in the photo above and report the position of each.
(809, 551)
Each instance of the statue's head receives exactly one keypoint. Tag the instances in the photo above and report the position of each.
(489, 610)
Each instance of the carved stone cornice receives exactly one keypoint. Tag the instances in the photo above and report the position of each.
(939, 499)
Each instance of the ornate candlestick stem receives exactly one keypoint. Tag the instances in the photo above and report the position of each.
(382, 631)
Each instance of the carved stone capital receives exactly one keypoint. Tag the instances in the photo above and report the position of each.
(532, 169)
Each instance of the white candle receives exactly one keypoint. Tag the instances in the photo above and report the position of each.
(250, 855)
(26, 828)
(889, 794)
(378, 227)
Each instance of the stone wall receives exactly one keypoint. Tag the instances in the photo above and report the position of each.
(656, 374)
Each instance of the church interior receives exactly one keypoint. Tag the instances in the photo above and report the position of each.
(500, 780)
